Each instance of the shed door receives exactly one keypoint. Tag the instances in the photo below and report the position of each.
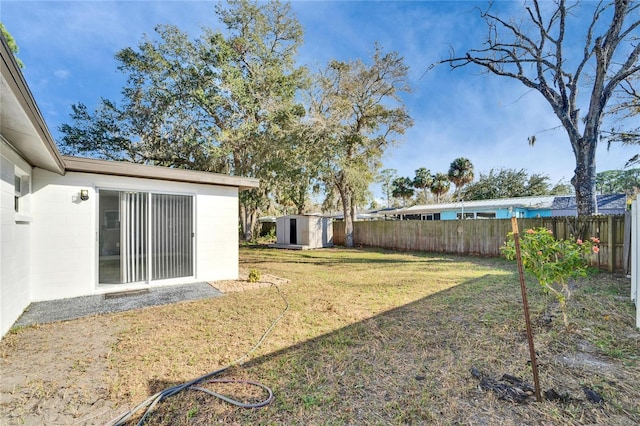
(293, 231)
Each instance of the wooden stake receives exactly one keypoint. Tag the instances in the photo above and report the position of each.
(523, 288)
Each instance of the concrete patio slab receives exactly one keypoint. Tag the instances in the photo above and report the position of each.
(78, 307)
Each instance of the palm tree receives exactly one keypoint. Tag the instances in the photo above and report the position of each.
(423, 180)
(402, 188)
(460, 173)
(440, 185)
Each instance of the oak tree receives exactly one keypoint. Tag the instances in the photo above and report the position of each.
(356, 112)
(223, 102)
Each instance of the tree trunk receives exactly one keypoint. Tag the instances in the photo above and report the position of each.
(247, 221)
(353, 213)
(584, 178)
(347, 212)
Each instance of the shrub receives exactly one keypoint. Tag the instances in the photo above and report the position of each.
(254, 276)
(552, 262)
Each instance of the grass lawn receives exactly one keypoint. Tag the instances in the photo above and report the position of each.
(370, 337)
(379, 337)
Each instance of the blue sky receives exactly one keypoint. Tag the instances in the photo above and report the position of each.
(68, 49)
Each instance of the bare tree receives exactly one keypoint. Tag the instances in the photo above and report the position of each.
(542, 60)
(627, 108)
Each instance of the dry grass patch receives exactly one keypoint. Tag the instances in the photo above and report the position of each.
(380, 337)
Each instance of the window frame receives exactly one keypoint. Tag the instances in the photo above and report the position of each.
(21, 191)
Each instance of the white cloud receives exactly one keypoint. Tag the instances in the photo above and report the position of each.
(61, 74)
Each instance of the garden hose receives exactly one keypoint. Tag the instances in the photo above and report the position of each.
(150, 403)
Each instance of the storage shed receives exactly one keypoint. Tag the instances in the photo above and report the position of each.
(303, 232)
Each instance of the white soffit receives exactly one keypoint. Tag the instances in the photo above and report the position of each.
(21, 123)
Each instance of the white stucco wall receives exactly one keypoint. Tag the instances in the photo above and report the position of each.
(64, 231)
(15, 234)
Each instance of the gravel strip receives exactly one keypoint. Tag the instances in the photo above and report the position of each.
(78, 307)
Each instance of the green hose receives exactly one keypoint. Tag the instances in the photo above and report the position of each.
(150, 403)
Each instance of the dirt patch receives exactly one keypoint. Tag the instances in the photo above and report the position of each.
(57, 373)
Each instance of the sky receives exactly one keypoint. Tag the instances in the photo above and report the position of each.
(68, 49)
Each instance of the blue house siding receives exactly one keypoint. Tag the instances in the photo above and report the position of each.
(451, 215)
(500, 213)
(530, 214)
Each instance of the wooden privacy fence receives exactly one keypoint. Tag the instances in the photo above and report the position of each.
(484, 237)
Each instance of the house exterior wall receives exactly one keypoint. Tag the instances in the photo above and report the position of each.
(448, 215)
(532, 214)
(15, 236)
(217, 233)
(500, 213)
(64, 236)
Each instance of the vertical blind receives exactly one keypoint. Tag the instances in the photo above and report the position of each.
(171, 236)
(134, 236)
(166, 239)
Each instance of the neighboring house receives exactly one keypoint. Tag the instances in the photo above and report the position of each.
(304, 232)
(504, 208)
(75, 226)
(609, 204)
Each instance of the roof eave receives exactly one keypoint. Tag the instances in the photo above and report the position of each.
(122, 168)
(30, 136)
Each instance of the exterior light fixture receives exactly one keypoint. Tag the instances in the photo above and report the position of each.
(84, 194)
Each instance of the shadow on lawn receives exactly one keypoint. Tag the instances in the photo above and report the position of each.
(409, 364)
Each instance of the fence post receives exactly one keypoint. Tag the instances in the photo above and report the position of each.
(635, 254)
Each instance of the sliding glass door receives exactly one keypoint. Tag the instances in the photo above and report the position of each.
(144, 236)
(171, 236)
(109, 238)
